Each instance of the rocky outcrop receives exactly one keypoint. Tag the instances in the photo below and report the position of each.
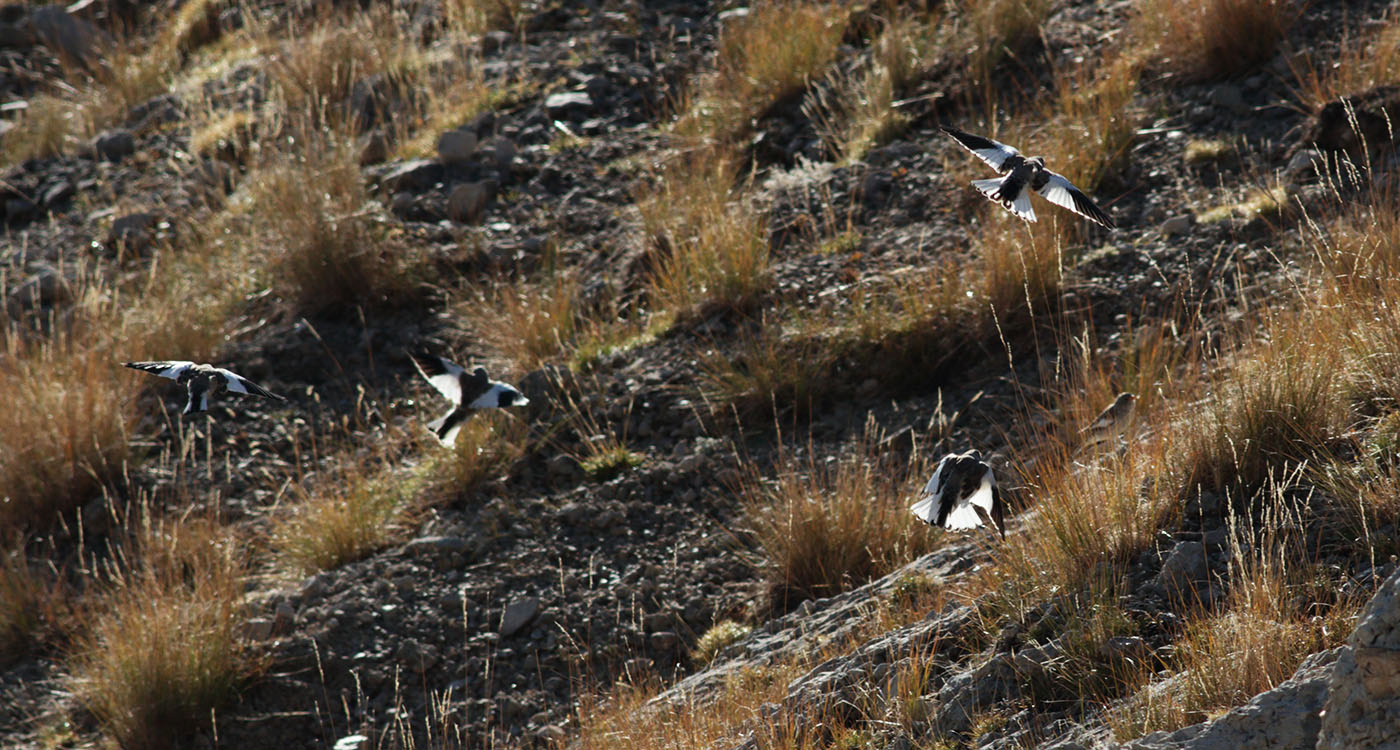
(1363, 698)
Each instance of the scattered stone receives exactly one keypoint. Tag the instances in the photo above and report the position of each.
(66, 35)
(568, 103)
(1180, 224)
(415, 175)
(351, 742)
(374, 148)
(518, 614)
(1302, 164)
(467, 202)
(258, 629)
(1227, 96)
(456, 146)
(113, 145)
(58, 193)
(43, 289)
(1184, 568)
(503, 152)
(132, 231)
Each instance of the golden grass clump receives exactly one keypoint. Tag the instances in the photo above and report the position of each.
(65, 426)
(1272, 409)
(997, 29)
(711, 243)
(719, 637)
(602, 450)
(311, 222)
(1274, 616)
(854, 112)
(487, 445)
(1213, 38)
(763, 58)
(341, 518)
(528, 323)
(479, 16)
(824, 528)
(163, 649)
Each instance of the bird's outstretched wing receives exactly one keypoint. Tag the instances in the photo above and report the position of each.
(994, 153)
(444, 375)
(1064, 194)
(239, 384)
(166, 368)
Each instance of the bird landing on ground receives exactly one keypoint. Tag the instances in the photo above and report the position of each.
(202, 381)
(961, 495)
(468, 392)
(1021, 173)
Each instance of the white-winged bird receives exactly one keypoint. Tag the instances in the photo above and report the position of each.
(202, 381)
(962, 495)
(1021, 173)
(468, 392)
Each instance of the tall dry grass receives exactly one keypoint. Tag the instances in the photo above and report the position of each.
(1213, 38)
(822, 528)
(710, 240)
(162, 651)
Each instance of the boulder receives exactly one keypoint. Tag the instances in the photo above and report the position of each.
(1363, 697)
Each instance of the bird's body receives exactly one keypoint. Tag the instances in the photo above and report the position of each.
(961, 495)
(202, 381)
(1112, 421)
(468, 393)
(1020, 173)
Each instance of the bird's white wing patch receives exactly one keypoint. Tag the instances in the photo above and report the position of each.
(927, 506)
(964, 514)
(988, 187)
(992, 152)
(445, 376)
(1022, 206)
(1064, 194)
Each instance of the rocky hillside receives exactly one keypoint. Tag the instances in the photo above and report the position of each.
(738, 270)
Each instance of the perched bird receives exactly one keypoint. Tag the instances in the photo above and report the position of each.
(1112, 420)
(1020, 173)
(468, 392)
(962, 495)
(202, 381)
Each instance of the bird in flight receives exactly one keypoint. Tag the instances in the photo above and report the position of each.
(961, 495)
(202, 381)
(468, 392)
(1020, 173)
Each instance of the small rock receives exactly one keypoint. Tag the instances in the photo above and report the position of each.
(435, 546)
(58, 193)
(664, 640)
(314, 587)
(503, 152)
(518, 614)
(351, 742)
(575, 514)
(657, 621)
(566, 103)
(258, 629)
(284, 617)
(45, 288)
(132, 231)
(467, 202)
(112, 145)
(413, 175)
(69, 36)
(1300, 165)
(1227, 96)
(1184, 567)
(1178, 224)
(551, 733)
(1123, 648)
(456, 146)
(561, 466)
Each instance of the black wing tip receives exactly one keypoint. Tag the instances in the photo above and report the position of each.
(427, 361)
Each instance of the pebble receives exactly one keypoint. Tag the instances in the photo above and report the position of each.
(518, 614)
(1178, 224)
(456, 146)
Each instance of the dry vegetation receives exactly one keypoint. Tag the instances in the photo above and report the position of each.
(1247, 417)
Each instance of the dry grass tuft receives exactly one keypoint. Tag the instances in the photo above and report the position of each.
(487, 445)
(710, 240)
(479, 16)
(1274, 616)
(997, 30)
(824, 528)
(528, 323)
(164, 651)
(311, 222)
(347, 511)
(720, 636)
(763, 58)
(1274, 408)
(1361, 65)
(1213, 38)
